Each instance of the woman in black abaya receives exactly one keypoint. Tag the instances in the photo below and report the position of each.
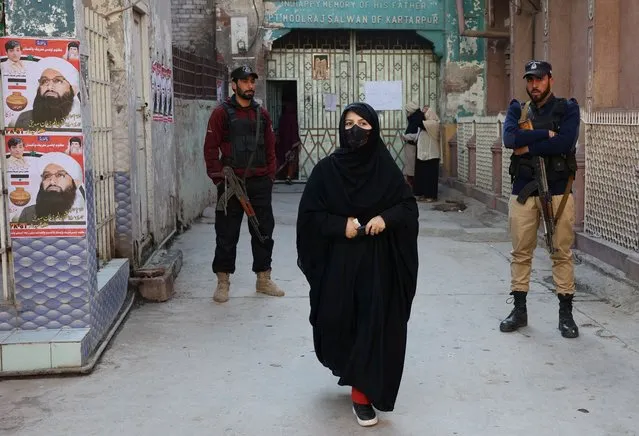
(361, 285)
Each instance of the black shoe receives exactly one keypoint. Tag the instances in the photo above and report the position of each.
(567, 325)
(365, 414)
(518, 316)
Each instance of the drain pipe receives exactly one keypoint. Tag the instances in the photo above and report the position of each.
(491, 34)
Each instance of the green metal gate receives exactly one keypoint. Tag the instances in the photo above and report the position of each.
(354, 58)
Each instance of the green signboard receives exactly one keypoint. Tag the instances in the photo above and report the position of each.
(357, 14)
(45, 18)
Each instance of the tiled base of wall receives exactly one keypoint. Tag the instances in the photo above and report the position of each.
(29, 350)
(69, 350)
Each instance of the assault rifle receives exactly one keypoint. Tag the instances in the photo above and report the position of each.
(233, 186)
(540, 184)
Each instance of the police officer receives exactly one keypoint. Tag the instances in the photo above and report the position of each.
(240, 135)
(555, 130)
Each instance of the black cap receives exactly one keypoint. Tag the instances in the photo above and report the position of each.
(538, 69)
(243, 72)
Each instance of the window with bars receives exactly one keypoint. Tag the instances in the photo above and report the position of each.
(197, 77)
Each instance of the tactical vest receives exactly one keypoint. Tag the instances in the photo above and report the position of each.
(244, 140)
(558, 167)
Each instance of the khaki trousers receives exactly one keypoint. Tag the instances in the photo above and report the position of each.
(523, 222)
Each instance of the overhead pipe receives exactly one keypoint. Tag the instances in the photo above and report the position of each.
(491, 34)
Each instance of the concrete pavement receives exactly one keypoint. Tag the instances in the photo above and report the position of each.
(190, 366)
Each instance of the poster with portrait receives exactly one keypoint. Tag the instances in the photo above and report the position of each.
(168, 105)
(156, 85)
(321, 67)
(41, 85)
(45, 178)
(162, 85)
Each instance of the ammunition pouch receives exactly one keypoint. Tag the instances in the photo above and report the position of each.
(559, 167)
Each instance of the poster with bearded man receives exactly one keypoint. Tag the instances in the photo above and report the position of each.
(52, 198)
(46, 98)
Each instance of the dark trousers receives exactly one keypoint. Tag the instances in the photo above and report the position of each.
(227, 227)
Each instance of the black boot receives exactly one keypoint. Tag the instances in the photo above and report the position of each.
(519, 316)
(567, 325)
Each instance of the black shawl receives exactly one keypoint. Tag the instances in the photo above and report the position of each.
(415, 122)
(361, 289)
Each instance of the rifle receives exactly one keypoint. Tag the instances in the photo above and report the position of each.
(540, 184)
(289, 156)
(233, 186)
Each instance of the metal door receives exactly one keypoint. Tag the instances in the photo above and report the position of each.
(353, 59)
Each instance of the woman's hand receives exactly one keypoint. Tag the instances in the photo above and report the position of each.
(375, 226)
(351, 228)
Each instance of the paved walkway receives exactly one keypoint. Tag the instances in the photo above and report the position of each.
(192, 367)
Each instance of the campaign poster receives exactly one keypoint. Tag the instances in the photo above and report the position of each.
(156, 86)
(41, 85)
(45, 177)
(162, 86)
(168, 104)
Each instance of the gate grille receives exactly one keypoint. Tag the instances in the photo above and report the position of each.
(101, 132)
(354, 58)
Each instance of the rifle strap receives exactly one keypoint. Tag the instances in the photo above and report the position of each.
(564, 199)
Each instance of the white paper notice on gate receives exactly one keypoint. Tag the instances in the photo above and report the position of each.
(384, 95)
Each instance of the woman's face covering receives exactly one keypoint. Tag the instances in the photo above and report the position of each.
(357, 130)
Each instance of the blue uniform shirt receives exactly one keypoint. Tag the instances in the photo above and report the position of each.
(538, 142)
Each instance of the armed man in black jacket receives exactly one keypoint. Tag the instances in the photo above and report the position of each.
(555, 123)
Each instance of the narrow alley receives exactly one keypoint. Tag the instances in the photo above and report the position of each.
(126, 123)
(247, 367)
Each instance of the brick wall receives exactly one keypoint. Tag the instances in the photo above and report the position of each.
(193, 26)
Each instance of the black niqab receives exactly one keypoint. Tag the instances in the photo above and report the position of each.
(361, 289)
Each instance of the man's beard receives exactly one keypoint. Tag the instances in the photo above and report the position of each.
(54, 204)
(52, 109)
(541, 97)
(244, 95)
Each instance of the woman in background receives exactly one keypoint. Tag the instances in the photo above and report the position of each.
(414, 117)
(426, 182)
(287, 149)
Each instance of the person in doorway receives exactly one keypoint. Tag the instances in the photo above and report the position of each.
(555, 130)
(362, 278)
(240, 135)
(415, 117)
(426, 181)
(289, 142)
